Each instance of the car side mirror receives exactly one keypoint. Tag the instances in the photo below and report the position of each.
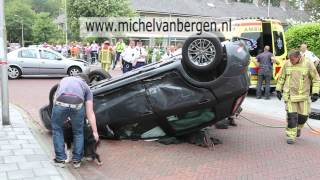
(59, 58)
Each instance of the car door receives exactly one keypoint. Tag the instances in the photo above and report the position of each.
(51, 63)
(177, 102)
(28, 60)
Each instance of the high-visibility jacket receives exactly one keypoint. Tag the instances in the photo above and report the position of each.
(105, 55)
(120, 47)
(295, 80)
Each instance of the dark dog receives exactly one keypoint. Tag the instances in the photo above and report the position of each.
(90, 144)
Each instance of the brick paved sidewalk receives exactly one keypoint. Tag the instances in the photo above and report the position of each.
(248, 152)
(21, 154)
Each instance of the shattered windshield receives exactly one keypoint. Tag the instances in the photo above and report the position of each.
(254, 47)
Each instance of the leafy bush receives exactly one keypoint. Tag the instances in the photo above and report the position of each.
(304, 33)
(149, 56)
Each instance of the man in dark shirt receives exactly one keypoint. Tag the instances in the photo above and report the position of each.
(265, 62)
(73, 99)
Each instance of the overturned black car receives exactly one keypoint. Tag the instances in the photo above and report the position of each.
(174, 97)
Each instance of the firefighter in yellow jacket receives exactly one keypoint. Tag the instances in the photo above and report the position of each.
(297, 77)
(105, 56)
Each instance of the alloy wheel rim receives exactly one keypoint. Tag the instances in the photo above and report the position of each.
(13, 72)
(201, 52)
(74, 72)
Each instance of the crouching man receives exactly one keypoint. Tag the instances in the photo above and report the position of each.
(73, 99)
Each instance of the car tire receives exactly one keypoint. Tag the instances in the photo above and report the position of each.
(74, 70)
(98, 75)
(202, 53)
(51, 96)
(14, 72)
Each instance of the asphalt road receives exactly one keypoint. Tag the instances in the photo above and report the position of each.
(248, 151)
(31, 93)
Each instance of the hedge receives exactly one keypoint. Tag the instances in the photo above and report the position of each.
(304, 33)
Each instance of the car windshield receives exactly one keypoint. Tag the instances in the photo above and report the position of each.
(255, 46)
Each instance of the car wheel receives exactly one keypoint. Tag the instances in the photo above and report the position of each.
(202, 53)
(98, 75)
(51, 96)
(74, 71)
(14, 72)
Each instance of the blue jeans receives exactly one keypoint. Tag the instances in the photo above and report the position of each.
(116, 59)
(140, 64)
(59, 115)
(267, 79)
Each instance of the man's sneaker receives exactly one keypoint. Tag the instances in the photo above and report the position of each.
(59, 163)
(291, 141)
(76, 164)
(299, 133)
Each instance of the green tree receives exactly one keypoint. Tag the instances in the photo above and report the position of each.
(50, 6)
(313, 7)
(18, 12)
(304, 33)
(95, 8)
(44, 30)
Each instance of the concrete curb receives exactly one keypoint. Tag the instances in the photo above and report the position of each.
(38, 133)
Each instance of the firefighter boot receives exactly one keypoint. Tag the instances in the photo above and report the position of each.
(291, 130)
(302, 119)
(299, 130)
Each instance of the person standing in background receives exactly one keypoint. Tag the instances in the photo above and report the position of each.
(105, 56)
(87, 52)
(94, 52)
(265, 62)
(141, 60)
(308, 54)
(167, 54)
(65, 50)
(120, 46)
(128, 56)
(74, 51)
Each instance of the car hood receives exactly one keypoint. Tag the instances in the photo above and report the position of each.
(77, 60)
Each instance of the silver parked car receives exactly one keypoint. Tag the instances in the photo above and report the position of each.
(42, 61)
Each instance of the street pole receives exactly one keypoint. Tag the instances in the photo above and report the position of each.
(268, 8)
(22, 34)
(169, 35)
(66, 21)
(4, 68)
